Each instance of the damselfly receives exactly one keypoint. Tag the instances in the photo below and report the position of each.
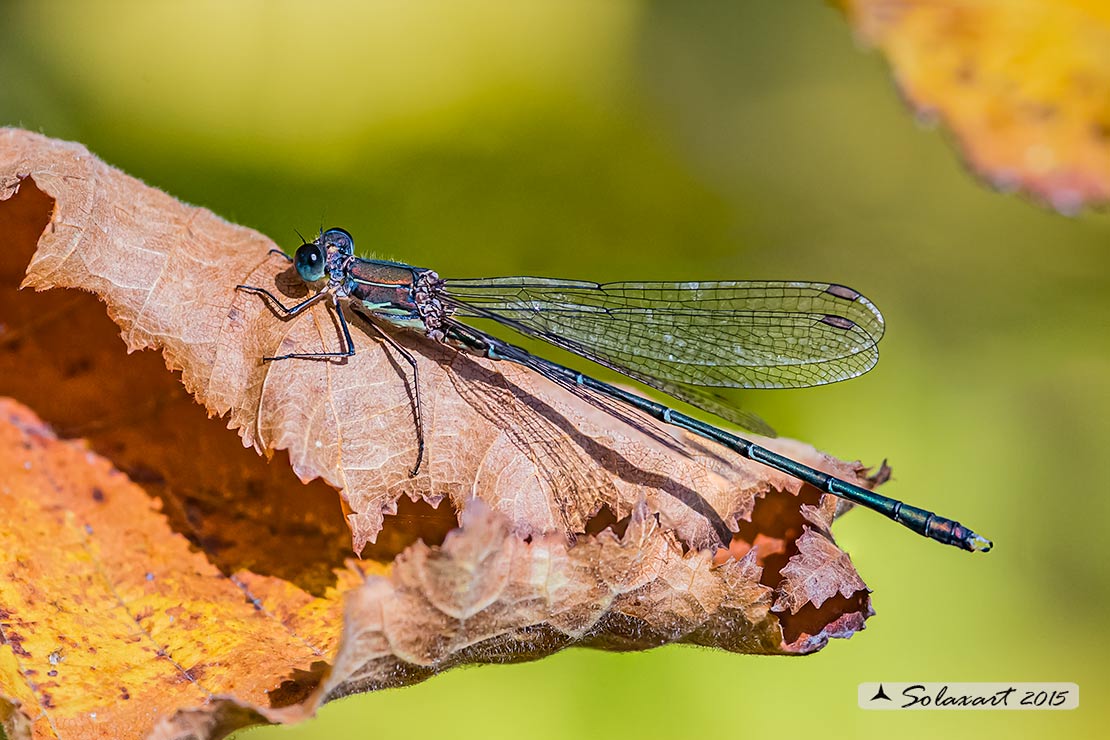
(684, 339)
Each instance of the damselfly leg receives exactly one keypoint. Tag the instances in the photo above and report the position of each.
(416, 404)
(290, 312)
(348, 350)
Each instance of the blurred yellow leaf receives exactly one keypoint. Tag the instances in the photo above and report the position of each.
(1023, 84)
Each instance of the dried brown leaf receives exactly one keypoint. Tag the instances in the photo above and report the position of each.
(575, 528)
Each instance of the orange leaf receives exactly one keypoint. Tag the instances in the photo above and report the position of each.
(109, 617)
(1023, 84)
(210, 582)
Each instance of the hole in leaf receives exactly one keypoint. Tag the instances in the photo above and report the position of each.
(773, 532)
(414, 520)
(606, 519)
(811, 621)
(775, 526)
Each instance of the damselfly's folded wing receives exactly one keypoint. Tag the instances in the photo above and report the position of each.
(687, 339)
(717, 334)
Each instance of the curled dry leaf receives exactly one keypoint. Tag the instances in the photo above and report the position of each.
(207, 587)
(1024, 85)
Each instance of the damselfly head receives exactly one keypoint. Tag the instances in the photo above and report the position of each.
(314, 260)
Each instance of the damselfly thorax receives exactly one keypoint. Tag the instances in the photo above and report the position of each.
(401, 294)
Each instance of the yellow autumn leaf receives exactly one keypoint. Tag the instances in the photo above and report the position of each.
(1024, 85)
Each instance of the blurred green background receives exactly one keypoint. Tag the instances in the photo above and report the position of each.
(617, 139)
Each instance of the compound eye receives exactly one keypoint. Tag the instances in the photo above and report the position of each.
(309, 261)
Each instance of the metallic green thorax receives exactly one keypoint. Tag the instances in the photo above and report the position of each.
(386, 289)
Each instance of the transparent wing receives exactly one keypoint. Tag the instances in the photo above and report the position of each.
(714, 334)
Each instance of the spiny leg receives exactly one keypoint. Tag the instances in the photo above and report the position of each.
(349, 346)
(287, 312)
(416, 394)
